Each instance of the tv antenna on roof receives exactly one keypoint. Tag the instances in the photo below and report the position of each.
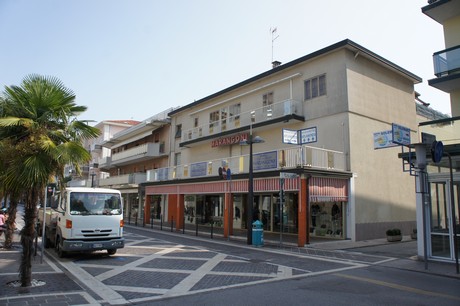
(274, 37)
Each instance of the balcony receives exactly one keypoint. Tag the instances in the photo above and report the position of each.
(142, 152)
(97, 148)
(441, 10)
(447, 69)
(105, 162)
(283, 159)
(273, 113)
(447, 62)
(126, 179)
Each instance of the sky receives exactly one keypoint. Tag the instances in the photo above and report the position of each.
(132, 59)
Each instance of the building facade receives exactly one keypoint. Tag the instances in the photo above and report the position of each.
(438, 194)
(317, 171)
(134, 151)
(91, 173)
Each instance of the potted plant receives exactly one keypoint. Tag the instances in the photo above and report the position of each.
(394, 235)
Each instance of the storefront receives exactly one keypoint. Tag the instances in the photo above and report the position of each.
(218, 202)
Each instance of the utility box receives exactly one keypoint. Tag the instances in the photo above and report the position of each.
(257, 234)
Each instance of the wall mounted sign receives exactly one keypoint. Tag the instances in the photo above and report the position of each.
(300, 136)
(266, 160)
(229, 140)
(401, 134)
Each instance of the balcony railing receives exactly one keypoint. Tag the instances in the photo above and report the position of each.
(145, 150)
(105, 162)
(289, 158)
(132, 178)
(276, 110)
(447, 62)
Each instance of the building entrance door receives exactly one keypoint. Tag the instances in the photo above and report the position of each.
(441, 222)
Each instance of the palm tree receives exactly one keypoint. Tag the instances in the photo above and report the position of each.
(39, 122)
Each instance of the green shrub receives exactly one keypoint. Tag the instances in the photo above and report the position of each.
(394, 232)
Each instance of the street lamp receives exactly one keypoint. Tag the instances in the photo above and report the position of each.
(250, 203)
(93, 174)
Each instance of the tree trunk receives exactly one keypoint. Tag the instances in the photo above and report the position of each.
(27, 238)
(10, 224)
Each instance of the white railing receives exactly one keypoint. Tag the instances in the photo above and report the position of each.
(132, 178)
(276, 110)
(288, 158)
(147, 149)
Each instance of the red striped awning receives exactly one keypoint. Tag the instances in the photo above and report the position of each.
(328, 189)
(235, 186)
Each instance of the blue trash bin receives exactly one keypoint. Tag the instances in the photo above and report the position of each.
(257, 233)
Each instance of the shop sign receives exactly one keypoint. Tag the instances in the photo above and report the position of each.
(301, 137)
(383, 140)
(198, 169)
(163, 174)
(266, 160)
(401, 134)
(229, 140)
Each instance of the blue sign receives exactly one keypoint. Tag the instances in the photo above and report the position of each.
(290, 136)
(198, 169)
(437, 150)
(308, 135)
(266, 160)
(163, 174)
(401, 134)
(300, 136)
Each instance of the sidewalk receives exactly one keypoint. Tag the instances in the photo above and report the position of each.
(61, 289)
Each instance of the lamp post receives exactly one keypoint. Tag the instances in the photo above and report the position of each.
(92, 178)
(250, 203)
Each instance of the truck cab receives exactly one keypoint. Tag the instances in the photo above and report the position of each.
(84, 219)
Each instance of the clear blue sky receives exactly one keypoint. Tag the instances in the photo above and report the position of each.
(133, 59)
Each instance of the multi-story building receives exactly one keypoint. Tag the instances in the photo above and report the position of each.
(90, 173)
(439, 222)
(134, 151)
(317, 116)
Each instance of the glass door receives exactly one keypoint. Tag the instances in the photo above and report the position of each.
(441, 224)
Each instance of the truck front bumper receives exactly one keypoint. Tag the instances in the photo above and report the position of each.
(82, 245)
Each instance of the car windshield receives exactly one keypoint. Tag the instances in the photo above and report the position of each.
(86, 203)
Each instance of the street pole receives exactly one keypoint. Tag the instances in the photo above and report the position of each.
(250, 194)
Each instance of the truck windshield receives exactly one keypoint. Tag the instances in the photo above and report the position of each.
(86, 203)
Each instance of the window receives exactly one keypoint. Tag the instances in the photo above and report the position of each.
(195, 122)
(315, 87)
(177, 159)
(178, 130)
(156, 137)
(223, 118)
(267, 99)
(234, 112)
(267, 102)
(213, 120)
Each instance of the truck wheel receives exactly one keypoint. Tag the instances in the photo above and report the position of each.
(58, 248)
(111, 251)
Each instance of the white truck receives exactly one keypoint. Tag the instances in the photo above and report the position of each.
(83, 219)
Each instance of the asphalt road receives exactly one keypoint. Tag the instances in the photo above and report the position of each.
(157, 268)
(162, 268)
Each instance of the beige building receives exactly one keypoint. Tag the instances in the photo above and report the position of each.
(91, 173)
(317, 116)
(438, 179)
